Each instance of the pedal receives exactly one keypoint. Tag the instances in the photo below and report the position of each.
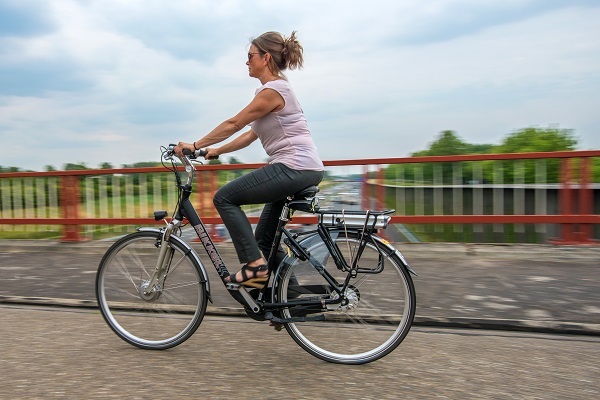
(277, 325)
(233, 286)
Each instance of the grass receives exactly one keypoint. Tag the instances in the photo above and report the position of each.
(21, 234)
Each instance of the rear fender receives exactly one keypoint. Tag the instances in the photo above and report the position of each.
(392, 249)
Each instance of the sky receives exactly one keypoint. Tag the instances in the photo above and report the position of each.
(93, 81)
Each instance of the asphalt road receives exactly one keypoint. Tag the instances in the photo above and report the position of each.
(70, 353)
(517, 287)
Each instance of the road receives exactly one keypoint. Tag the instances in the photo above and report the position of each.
(70, 353)
(531, 287)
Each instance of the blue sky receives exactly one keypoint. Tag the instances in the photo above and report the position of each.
(113, 80)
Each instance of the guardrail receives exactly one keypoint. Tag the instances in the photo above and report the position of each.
(429, 194)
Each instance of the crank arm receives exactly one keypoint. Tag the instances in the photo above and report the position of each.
(269, 315)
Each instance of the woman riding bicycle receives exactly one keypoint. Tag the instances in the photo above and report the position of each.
(276, 118)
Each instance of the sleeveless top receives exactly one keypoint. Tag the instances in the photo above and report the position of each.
(284, 134)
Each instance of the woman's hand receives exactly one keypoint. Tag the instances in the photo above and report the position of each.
(182, 145)
(212, 153)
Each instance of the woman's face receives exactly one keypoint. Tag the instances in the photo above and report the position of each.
(255, 62)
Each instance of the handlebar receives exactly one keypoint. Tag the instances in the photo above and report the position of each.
(169, 153)
(186, 160)
(195, 154)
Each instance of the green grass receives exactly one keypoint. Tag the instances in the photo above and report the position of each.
(22, 234)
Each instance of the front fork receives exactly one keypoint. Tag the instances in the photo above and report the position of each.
(160, 269)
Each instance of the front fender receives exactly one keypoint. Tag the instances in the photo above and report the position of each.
(191, 251)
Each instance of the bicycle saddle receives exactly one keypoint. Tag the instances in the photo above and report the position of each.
(310, 191)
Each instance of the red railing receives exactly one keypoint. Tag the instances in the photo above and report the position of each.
(576, 216)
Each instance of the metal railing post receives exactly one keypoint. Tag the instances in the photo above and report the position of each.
(69, 203)
(380, 189)
(585, 199)
(364, 190)
(566, 199)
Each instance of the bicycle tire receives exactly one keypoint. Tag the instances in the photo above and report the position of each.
(378, 317)
(166, 316)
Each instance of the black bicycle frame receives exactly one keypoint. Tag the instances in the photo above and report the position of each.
(186, 210)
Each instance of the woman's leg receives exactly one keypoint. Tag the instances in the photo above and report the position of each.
(269, 218)
(265, 230)
(268, 184)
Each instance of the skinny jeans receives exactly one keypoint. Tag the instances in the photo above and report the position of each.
(271, 185)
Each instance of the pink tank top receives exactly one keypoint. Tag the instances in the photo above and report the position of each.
(284, 134)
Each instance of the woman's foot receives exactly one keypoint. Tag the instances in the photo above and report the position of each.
(255, 276)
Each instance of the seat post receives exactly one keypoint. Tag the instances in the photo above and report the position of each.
(283, 219)
(285, 211)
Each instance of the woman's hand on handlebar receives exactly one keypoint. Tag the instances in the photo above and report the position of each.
(211, 153)
(182, 145)
(183, 149)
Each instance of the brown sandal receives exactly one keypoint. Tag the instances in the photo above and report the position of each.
(250, 276)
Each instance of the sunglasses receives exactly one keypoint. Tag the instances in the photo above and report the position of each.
(250, 55)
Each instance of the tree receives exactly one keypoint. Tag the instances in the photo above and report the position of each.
(146, 164)
(236, 172)
(10, 169)
(73, 167)
(531, 140)
(448, 143)
(49, 168)
(106, 165)
(525, 140)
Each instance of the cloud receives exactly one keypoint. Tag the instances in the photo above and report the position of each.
(442, 21)
(17, 18)
(107, 80)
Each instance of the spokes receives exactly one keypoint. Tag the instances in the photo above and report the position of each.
(373, 315)
(130, 306)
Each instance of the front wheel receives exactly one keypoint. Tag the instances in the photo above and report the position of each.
(376, 314)
(157, 318)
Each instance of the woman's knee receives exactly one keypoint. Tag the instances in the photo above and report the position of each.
(219, 200)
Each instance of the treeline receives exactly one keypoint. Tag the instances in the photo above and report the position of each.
(527, 140)
(82, 166)
(105, 165)
(448, 143)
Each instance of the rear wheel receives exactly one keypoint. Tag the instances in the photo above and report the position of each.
(374, 317)
(159, 318)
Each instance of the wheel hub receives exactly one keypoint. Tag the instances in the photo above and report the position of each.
(349, 303)
(151, 295)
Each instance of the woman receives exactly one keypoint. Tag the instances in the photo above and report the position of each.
(276, 118)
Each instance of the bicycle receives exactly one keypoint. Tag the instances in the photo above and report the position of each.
(344, 294)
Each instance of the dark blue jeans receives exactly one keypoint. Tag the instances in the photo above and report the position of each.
(271, 185)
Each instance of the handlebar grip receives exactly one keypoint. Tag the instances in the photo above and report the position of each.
(197, 153)
(203, 153)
